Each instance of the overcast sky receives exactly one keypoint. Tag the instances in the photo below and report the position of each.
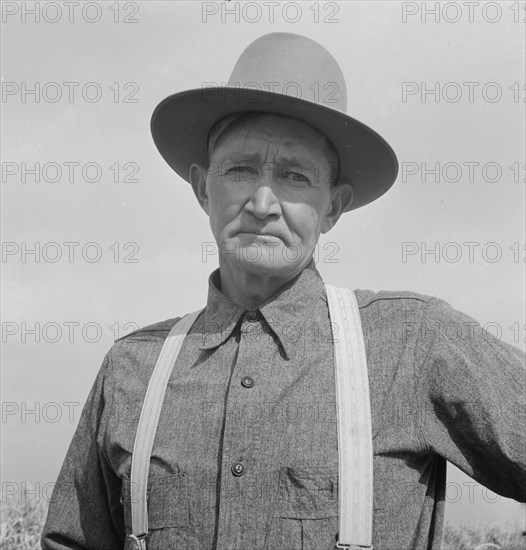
(139, 257)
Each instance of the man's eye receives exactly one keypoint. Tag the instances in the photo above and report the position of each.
(296, 177)
(242, 171)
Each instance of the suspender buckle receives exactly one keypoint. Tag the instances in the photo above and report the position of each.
(353, 546)
(137, 543)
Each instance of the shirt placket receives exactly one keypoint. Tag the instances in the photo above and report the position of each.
(246, 480)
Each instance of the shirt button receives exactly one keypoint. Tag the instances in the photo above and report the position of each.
(247, 382)
(252, 316)
(238, 468)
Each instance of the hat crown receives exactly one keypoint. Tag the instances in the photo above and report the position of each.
(292, 65)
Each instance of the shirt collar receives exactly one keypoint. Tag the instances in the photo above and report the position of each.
(285, 312)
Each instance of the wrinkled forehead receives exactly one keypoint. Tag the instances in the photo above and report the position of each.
(271, 133)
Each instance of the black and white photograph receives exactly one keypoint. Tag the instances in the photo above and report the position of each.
(263, 275)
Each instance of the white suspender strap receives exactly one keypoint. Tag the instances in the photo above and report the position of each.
(355, 443)
(147, 429)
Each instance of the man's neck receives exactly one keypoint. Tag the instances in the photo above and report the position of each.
(250, 289)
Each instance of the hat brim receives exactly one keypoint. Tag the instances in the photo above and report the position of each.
(180, 125)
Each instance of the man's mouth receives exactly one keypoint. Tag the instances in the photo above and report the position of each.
(263, 236)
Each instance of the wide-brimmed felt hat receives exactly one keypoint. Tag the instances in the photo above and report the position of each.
(286, 74)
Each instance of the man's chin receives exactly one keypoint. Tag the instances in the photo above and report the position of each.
(263, 255)
(280, 270)
(262, 260)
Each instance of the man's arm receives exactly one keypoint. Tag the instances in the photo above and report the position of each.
(85, 511)
(473, 398)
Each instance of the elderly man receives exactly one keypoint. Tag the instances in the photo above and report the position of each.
(246, 450)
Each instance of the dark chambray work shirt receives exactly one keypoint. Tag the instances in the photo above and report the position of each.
(246, 456)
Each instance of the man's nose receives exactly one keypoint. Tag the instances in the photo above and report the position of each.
(263, 201)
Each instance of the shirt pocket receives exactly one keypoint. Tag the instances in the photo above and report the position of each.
(167, 502)
(305, 514)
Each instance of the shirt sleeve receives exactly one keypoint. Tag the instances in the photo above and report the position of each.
(473, 399)
(85, 511)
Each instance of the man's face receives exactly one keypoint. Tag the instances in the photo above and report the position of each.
(268, 195)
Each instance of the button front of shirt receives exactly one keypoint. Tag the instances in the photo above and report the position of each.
(247, 382)
(238, 468)
(252, 315)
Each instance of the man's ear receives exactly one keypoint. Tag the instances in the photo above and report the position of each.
(341, 198)
(197, 178)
